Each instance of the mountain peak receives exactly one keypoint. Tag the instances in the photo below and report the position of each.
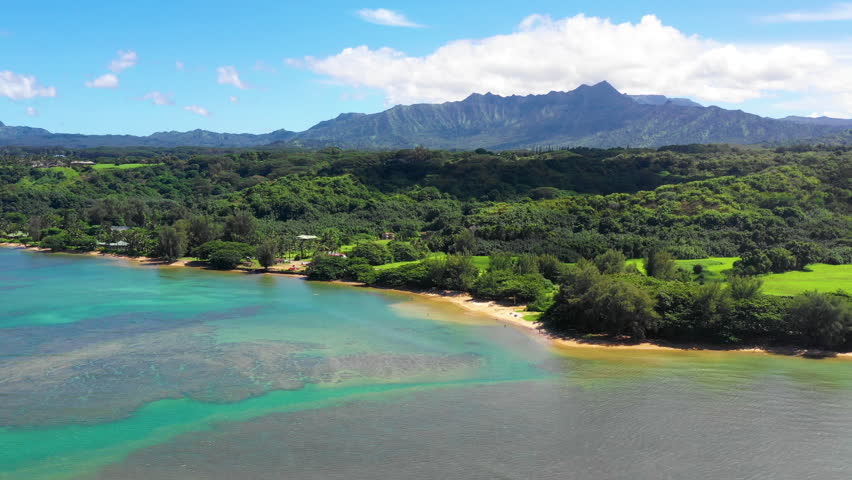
(598, 91)
(2, 124)
(345, 116)
(604, 84)
(603, 87)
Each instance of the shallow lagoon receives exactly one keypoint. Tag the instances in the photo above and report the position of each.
(113, 370)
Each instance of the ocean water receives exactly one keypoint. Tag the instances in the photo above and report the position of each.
(112, 370)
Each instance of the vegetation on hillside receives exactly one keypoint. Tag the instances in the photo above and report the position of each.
(501, 226)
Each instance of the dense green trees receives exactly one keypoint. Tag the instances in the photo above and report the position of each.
(225, 255)
(328, 267)
(267, 253)
(452, 272)
(594, 302)
(57, 242)
(518, 279)
(660, 264)
(225, 258)
(589, 301)
(200, 230)
(612, 261)
(172, 244)
(240, 227)
(793, 256)
(404, 252)
(373, 252)
(825, 320)
(744, 288)
(690, 203)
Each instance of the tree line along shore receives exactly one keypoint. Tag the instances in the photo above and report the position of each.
(715, 227)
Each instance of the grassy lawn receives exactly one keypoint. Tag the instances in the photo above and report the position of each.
(713, 266)
(124, 166)
(388, 266)
(821, 277)
(68, 171)
(481, 262)
(531, 316)
(639, 262)
(348, 248)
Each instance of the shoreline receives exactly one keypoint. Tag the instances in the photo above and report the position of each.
(507, 314)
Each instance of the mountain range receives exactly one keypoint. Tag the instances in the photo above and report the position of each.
(593, 116)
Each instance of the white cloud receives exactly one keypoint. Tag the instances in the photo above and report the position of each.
(125, 60)
(107, 80)
(832, 13)
(179, 65)
(544, 54)
(197, 110)
(159, 98)
(17, 86)
(228, 75)
(233, 99)
(32, 112)
(383, 16)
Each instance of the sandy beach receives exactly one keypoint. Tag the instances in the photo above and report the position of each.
(509, 314)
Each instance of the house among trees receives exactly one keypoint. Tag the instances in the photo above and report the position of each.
(388, 236)
(119, 229)
(81, 163)
(118, 244)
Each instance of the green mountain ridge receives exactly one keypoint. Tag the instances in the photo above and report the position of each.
(589, 116)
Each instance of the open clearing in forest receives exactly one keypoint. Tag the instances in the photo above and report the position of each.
(818, 276)
(123, 166)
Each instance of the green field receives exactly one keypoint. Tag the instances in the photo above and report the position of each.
(68, 171)
(388, 266)
(639, 262)
(123, 166)
(820, 277)
(481, 261)
(713, 267)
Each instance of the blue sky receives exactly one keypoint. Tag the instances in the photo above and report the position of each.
(262, 65)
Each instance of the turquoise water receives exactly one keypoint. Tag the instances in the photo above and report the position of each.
(110, 370)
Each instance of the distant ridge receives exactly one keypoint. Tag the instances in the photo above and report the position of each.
(39, 137)
(825, 121)
(662, 100)
(591, 115)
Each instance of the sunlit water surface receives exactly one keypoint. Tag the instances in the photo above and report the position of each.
(110, 370)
